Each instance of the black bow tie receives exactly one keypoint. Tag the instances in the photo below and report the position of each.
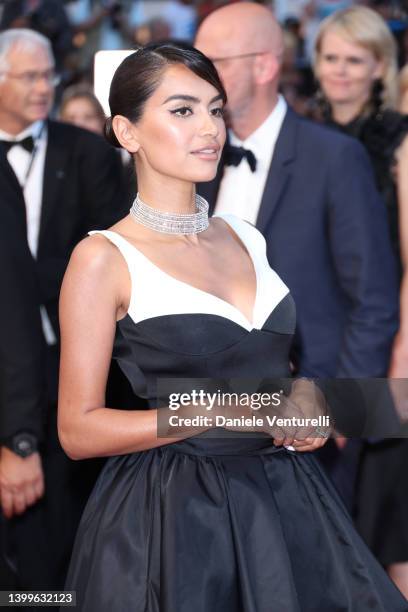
(234, 155)
(27, 143)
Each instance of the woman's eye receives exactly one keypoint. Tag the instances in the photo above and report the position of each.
(218, 112)
(329, 58)
(183, 111)
(355, 60)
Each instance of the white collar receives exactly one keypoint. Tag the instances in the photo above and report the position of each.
(34, 130)
(259, 141)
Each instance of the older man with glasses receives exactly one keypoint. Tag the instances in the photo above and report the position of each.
(56, 183)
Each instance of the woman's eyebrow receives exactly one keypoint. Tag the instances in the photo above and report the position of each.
(187, 98)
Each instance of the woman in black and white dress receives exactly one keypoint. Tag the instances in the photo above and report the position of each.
(240, 522)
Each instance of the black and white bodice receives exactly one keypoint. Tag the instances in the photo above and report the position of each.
(173, 329)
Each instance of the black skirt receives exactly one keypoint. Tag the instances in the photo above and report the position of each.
(222, 526)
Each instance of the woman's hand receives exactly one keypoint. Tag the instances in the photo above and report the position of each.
(305, 401)
(285, 421)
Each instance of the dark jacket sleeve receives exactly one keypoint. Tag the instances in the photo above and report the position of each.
(365, 264)
(95, 197)
(103, 191)
(22, 347)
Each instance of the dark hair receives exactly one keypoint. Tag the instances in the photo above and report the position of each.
(139, 75)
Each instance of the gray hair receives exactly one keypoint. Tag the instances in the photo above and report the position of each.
(22, 38)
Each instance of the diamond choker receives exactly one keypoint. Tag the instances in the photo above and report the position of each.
(171, 223)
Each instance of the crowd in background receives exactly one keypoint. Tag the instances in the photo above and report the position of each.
(79, 28)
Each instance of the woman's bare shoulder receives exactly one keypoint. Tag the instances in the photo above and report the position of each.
(96, 280)
(95, 251)
(96, 263)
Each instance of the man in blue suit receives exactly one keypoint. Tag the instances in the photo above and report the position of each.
(311, 192)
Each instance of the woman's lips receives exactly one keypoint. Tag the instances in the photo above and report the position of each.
(207, 153)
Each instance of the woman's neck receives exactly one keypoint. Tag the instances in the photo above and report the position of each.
(344, 113)
(168, 196)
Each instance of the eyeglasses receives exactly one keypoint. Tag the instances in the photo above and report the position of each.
(29, 79)
(241, 55)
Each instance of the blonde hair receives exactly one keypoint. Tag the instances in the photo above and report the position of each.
(363, 26)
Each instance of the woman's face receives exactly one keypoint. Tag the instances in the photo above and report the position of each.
(80, 112)
(346, 71)
(181, 132)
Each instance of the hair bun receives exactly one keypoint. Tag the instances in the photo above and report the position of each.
(110, 134)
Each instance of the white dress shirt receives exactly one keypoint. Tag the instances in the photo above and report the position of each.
(241, 190)
(31, 181)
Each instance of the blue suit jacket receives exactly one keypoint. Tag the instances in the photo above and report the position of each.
(327, 237)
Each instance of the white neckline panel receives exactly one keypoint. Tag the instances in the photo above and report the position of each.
(155, 293)
(271, 288)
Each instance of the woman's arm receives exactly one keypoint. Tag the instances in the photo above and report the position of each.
(92, 298)
(399, 359)
(402, 187)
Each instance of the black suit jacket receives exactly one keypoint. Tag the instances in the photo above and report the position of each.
(22, 345)
(82, 190)
(327, 237)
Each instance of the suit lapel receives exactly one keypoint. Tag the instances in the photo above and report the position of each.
(11, 191)
(279, 172)
(55, 162)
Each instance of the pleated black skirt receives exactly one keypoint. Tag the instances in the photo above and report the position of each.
(222, 526)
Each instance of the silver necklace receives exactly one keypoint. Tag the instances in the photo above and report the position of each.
(169, 222)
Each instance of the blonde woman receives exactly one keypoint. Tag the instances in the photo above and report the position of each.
(356, 66)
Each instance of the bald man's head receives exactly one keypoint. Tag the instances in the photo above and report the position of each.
(242, 27)
(245, 42)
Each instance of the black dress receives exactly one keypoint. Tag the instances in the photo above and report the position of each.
(381, 133)
(382, 494)
(216, 524)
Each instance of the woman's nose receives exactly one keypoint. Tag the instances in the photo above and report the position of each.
(341, 66)
(209, 125)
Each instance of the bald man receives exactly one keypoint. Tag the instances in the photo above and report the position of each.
(311, 192)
